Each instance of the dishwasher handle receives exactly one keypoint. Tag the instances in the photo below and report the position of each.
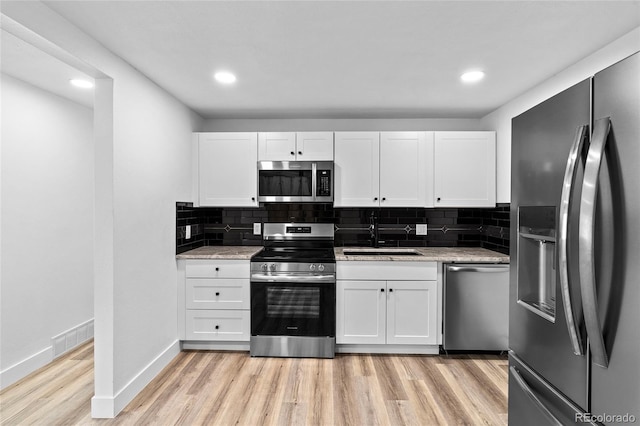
(494, 269)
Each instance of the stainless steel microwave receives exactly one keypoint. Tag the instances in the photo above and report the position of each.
(295, 181)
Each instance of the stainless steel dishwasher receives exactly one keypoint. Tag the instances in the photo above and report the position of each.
(476, 307)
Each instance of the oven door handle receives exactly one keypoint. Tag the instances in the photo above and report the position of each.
(266, 278)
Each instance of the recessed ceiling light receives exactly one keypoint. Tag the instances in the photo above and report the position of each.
(224, 77)
(83, 84)
(472, 76)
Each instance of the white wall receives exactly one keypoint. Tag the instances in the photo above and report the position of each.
(337, 124)
(47, 224)
(500, 119)
(142, 168)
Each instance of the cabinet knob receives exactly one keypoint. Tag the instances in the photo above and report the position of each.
(217, 327)
(293, 153)
(217, 269)
(383, 198)
(253, 198)
(390, 290)
(375, 199)
(382, 290)
(299, 152)
(217, 293)
(438, 199)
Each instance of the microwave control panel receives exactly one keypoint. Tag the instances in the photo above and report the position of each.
(323, 183)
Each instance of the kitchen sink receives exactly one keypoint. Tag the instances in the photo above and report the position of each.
(382, 252)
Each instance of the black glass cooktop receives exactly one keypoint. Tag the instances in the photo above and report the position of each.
(320, 255)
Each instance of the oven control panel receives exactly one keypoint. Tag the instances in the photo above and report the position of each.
(298, 229)
(276, 270)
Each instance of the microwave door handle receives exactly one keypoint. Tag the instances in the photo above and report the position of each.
(314, 180)
(563, 232)
(586, 252)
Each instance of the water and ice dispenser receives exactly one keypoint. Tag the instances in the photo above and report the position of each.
(537, 260)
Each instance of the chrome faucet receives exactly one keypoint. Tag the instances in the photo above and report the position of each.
(374, 231)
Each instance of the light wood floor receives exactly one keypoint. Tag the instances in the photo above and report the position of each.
(225, 388)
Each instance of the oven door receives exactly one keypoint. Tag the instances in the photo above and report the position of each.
(293, 309)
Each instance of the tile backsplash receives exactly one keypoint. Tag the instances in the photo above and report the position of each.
(450, 227)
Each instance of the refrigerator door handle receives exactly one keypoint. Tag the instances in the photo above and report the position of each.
(586, 252)
(563, 232)
(529, 392)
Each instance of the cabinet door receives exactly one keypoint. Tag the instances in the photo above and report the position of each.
(357, 169)
(276, 146)
(412, 312)
(360, 312)
(404, 158)
(314, 146)
(227, 169)
(465, 169)
(204, 325)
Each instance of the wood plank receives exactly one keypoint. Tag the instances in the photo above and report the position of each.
(220, 388)
(390, 383)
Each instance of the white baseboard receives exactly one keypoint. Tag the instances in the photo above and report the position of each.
(60, 344)
(389, 349)
(215, 346)
(105, 407)
(25, 367)
(75, 336)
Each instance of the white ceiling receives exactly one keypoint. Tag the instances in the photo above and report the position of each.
(26, 62)
(350, 58)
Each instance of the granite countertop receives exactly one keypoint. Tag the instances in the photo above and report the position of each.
(221, 252)
(427, 254)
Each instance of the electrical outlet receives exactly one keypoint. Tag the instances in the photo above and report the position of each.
(421, 229)
(257, 229)
(187, 232)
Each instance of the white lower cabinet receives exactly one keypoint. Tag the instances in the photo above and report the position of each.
(217, 324)
(399, 309)
(411, 312)
(361, 312)
(216, 301)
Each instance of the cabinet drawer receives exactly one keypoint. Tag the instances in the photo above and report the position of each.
(225, 325)
(387, 270)
(217, 269)
(222, 293)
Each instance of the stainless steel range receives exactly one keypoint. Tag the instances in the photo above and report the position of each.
(293, 292)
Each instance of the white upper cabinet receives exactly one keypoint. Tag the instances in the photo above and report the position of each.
(387, 169)
(276, 146)
(465, 169)
(227, 169)
(314, 146)
(405, 160)
(357, 169)
(301, 146)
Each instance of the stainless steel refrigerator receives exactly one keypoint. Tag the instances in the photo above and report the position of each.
(574, 307)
